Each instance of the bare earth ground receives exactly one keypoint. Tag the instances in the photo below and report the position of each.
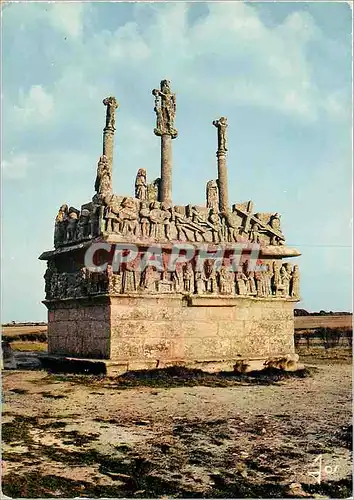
(178, 436)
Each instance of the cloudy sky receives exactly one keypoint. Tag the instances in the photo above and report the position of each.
(280, 72)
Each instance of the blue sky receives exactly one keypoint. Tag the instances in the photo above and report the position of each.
(280, 72)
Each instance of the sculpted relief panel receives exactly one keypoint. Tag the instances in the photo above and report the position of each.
(145, 218)
(271, 279)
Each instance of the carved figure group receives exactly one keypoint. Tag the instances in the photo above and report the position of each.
(71, 225)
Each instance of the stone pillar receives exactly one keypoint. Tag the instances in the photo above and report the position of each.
(222, 182)
(108, 144)
(166, 169)
(108, 131)
(165, 109)
(221, 125)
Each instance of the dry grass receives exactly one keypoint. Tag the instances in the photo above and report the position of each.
(29, 346)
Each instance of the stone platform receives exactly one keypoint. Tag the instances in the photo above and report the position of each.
(151, 331)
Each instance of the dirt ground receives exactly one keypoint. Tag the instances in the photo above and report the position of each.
(175, 434)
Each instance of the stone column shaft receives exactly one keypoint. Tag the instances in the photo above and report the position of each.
(166, 169)
(222, 182)
(108, 145)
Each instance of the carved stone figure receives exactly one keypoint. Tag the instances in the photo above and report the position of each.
(128, 215)
(60, 225)
(285, 273)
(112, 105)
(210, 274)
(180, 220)
(177, 278)
(215, 226)
(267, 279)
(129, 278)
(72, 221)
(277, 284)
(225, 281)
(167, 219)
(251, 283)
(141, 185)
(221, 125)
(295, 283)
(254, 235)
(260, 283)
(278, 237)
(165, 109)
(156, 217)
(212, 195)
(153, 190)
(188, 276)
(241, 281)
(83, 225)
(144, 219)
(103, 183)
(150, 278)
(199, 280)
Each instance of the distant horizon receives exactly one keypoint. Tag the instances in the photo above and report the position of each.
(296, 308)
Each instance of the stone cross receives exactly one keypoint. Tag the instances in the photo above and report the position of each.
(112, 105)
(108, 132)
(221, 125)
(165, 109)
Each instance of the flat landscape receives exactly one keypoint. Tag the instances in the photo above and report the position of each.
(179, 433)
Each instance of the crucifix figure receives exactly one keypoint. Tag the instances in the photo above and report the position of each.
(165, 109)
(112, 105)
(221, 125)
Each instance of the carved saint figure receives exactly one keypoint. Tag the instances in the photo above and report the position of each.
(165, 109)
(83, 226)
(225, 281)
(188, 277)
(285, 273)
(212, 194)
(255, 233)
(241, 281)
(103, 183)
(167, 219)
(156, 220)
(221, 125)
(129, 278)
(71, 225)
(60, 223)
(210, 274)
(128, 214)
(180, 220)
(278, 238)
(295, 283)
(199, 280)
(141, 185)
(215, 226)
(277, 280)
(112, 105)
(144, 219)
(267, 278)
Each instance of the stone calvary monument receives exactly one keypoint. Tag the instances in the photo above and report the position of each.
(210, 305)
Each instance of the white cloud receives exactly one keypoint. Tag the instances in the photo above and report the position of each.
(16, 167)
(34, 107)
(67, 17)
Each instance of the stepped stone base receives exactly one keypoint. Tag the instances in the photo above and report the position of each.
(137, 331)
